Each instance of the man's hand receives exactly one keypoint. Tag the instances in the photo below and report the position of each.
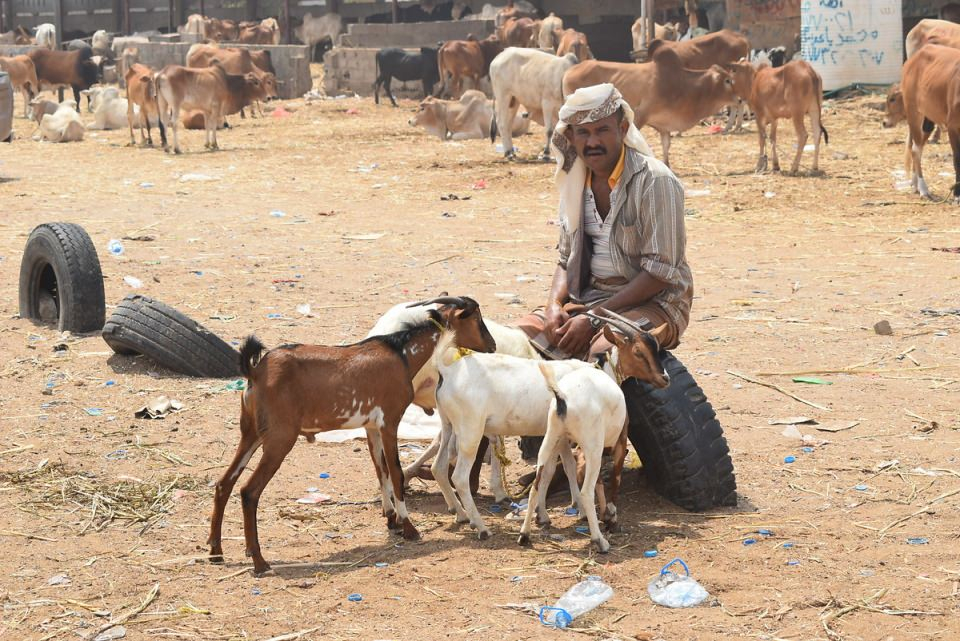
(575, 335)
(555, 318)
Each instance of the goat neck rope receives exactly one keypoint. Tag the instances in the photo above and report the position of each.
(500, 451)
(434, 321)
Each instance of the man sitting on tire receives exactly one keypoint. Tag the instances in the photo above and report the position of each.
(622, 237)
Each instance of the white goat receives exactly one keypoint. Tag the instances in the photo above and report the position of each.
(501, 395)
(588, 409)
(510, 340)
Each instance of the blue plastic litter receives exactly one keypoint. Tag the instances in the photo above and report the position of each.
(806, 450)
(789, 459)
(582, 529)
(274, 315)
(561, 620)
(324, 475)
(381, 564)
(793, 562)
(749, 541)
(496, 507)
(356, 596)
(788, 545)
(255, 592)
(918, 540)
(571, 511)
(109, 383)
(116, 455)
(649, 554)
(115, 247)
(763, 532)
(861, 487)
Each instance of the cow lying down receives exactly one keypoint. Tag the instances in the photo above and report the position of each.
(469, 117)
(63, 125)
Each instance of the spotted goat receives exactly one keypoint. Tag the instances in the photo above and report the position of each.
(298, 390)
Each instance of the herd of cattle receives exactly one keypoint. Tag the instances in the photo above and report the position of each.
(530, 64)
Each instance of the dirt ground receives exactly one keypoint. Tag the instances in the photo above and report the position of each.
(100, 509)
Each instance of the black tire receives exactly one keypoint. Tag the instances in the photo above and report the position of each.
(60, 267)
(142, 325)
(680, 441)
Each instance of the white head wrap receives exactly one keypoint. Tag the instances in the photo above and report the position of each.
(587, 104)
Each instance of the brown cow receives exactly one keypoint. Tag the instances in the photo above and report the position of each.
(142, 92)
(718, 48)
(56, 69)
(23, 76)
(237, 60)
(266, 32)
(211, 90)
(930, 86)
(519, 32)
(575, 42)
(458, 59)
(663, 93)
(790, 91)
(938, 32)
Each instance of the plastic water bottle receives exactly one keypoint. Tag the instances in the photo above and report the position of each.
(675, 590)
(579, 599)
(115, 247)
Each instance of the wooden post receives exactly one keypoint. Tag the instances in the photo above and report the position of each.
(58, 21)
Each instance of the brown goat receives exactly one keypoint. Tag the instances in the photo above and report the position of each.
(305, 389)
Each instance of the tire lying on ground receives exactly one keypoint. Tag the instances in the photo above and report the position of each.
(60, 279)
(142, 325)
(680, 442)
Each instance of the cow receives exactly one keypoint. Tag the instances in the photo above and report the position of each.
(519, 32)
(470, 117)
(128, 57)
(63, 125)
(266, 32)
(929, 30)
(109, 108)
(323, 29)
(393, 62)
(100, 43)
(663, 93)
(18, 36)
(575, 42)
(57, 69)
(23, 76)
(457, 59)
(533, 78)
(39, 107)
(791, 91)
(930, 88)
(668, 31)
(237, 60)
(142, 104)
(774, 57)
(550, 29)
(210, 90)
(46, 35)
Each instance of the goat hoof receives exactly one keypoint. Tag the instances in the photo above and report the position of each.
(613, 527)
(523, 540)
(410, 533)
(484, 534)
(463, 518)
(266, 571)
(602, 546)
(216, 556)
(543, 524)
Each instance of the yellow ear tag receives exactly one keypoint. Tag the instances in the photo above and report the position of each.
(461, 352)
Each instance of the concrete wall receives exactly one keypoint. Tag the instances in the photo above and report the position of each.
(413, 34)
(349, 70)
(291, 62)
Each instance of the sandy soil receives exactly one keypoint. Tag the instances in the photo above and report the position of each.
(791, 275)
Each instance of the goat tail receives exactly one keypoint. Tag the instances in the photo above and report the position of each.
(552, 385)
(823, 130)
(250, 354)
(444, 354)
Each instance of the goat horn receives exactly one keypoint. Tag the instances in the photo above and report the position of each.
(629, 330)
(442, 300)
(626, 321)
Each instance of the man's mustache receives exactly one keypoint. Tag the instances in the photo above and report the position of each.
(594, 151)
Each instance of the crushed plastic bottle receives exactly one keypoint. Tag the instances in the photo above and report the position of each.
(115, 247)
(674, 590)
(580, 599)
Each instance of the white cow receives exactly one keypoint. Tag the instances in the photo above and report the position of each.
(109, 108)
(63, 125)
(313, 30)
(100, 42)
(47, 36)
(534, 79)
(550, 28)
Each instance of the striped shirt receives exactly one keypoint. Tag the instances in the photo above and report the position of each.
(646, 233)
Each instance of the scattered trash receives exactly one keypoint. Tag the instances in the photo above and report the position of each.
(791, 420)
(158, 408)
(146, 185)
(861, 487)
(115, 247)
(93, 411)
(116, 455)
(633, 461)
(792, 431)
(582, 529)
(806, 450)
(353, 111)
(280, 112)
(496, 508)
(197, 178)
(133, 282)
(787, 545)
(953, 311)
(356, 596)
(811, 380)
(764, 532)
(455, 197)
(255, 591)
(571, 511)
(111, 634)
(303, 309)
(793, 562)
(676, 591)
(274, 315)
(276, 213)
(324, 475)
(789, 459)
(949, 250)
(883, 328)
(769, 194)
(749, 541)
(447, 214)
(59, 579)
(715, 129)
(579, 599)
(236, 386)
(315, 498)
(918, 540)
(110, 383)
(649, 554)
(697, 192)
(367, 169)
(380, 564)
(883, 465)
(480, 184)
(374, 236)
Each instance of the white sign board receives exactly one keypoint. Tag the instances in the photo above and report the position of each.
(852, 41)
